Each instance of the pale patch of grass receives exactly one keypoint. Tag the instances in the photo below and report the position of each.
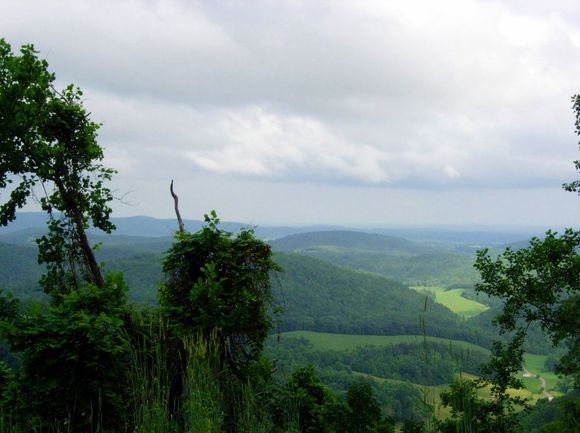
(535, 365)
(454, 300)
(324, 341)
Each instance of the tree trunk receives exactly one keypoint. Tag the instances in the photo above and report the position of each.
(73, 211)
(89, 255)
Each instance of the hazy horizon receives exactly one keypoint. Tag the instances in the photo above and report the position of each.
(497, 228)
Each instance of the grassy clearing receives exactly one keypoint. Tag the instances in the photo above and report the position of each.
(485, 392)
(432, 394)
(324, 341)
(532, 391)
(454, 300)
(535, 365)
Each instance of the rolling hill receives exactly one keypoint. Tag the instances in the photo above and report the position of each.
(401, 368)
(145, 226)
(19, 270)
(316, 295)
(325, 341)
(139, 259)
(459, 237)
(343, 240)
(413, 263)
(319, 296)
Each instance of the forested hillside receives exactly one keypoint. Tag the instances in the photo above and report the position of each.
(319, 296)
(315, 295)
(139, 258)
(19, 270)
(412, 263)
(350, 241)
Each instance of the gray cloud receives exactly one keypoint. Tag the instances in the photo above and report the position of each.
(420, 95)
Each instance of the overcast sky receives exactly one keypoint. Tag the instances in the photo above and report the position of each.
(351, 112)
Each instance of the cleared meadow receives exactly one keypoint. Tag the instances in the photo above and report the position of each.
(454, 300)
(535, 365)
(324, 341)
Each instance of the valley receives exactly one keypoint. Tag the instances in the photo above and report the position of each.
(401, 314)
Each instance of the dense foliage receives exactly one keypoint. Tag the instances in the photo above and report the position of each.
(470, 413)
(48, 140)
(540, 284)
(71, 360)
(317, 410)
(220, 282)
(559, 415)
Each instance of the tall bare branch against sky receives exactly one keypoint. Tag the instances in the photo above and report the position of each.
(371, 112)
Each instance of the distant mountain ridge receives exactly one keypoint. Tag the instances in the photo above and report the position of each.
(414, 262)
(145, 226)
(154, 227)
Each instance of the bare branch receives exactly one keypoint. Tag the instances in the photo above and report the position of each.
(121, 198)
(176, 200)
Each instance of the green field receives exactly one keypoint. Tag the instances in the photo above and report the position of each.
(324, 341)
(454, 300)
(432, 394)
(535, 365)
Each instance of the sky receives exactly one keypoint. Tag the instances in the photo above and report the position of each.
(385, 113)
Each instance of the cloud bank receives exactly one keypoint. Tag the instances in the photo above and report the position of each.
(420, 95)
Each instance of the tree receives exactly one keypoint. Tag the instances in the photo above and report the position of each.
(363, 412)
(217, 289)
(473, 414)
(48, 141)
(72, 360)
(537, 284)
(575, 185)
(71, 353)
(540, 283)
(316, 407)
(216, 281)
(410, 426)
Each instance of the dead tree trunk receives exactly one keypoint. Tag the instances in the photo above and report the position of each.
(176, 201)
